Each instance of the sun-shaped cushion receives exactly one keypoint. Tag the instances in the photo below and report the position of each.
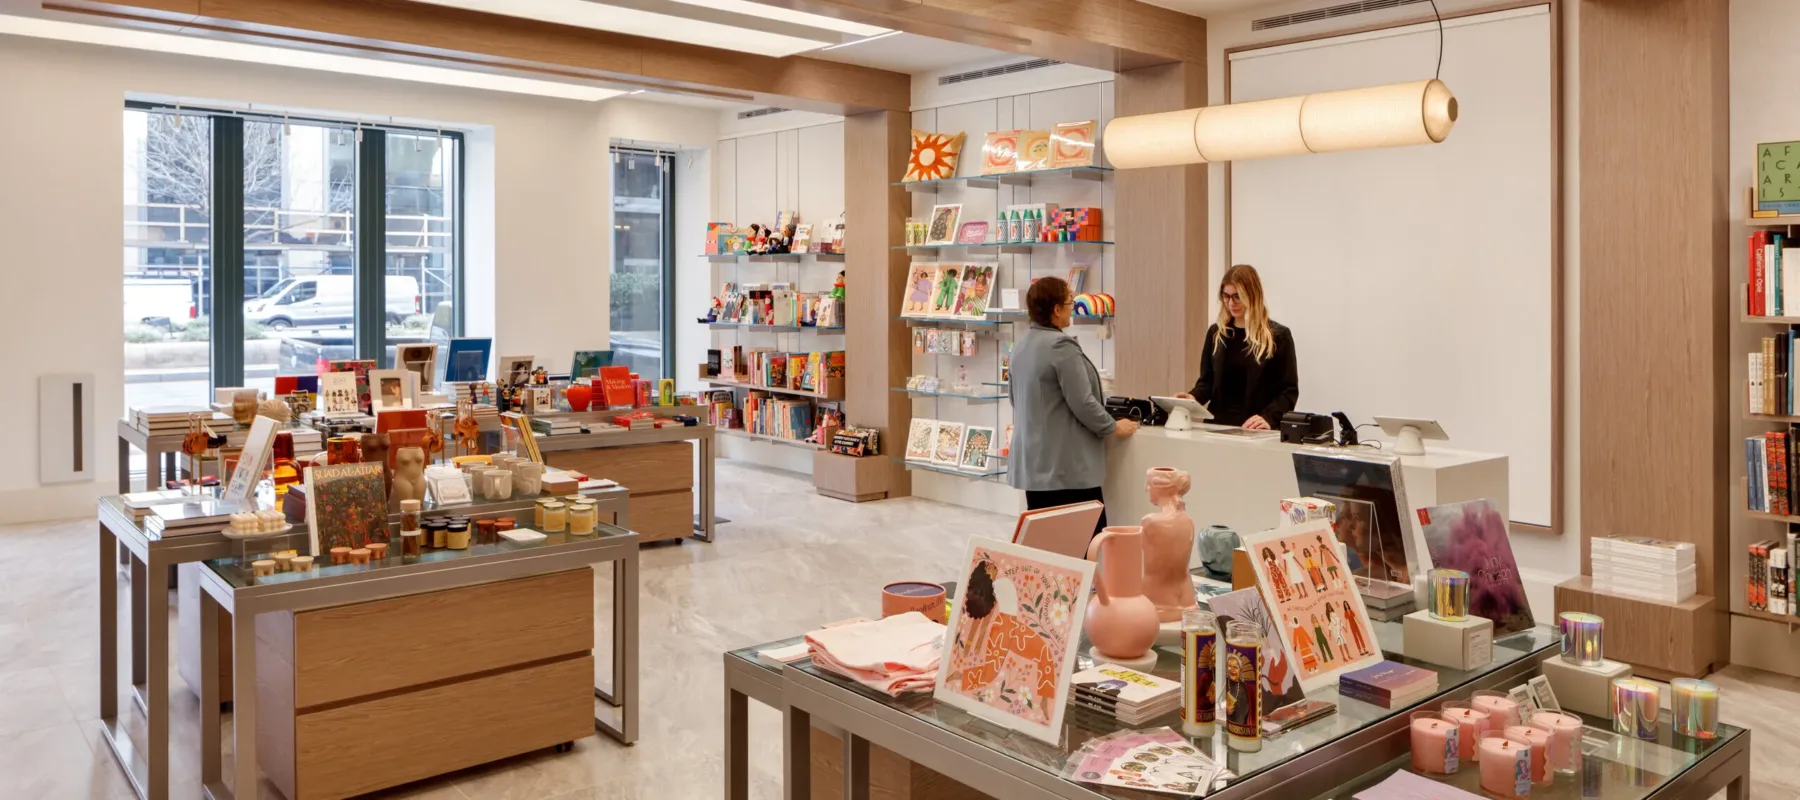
(933, 156)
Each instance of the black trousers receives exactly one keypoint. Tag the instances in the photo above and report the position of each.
(1063, 497)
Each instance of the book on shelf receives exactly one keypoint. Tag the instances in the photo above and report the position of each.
(1772, 473)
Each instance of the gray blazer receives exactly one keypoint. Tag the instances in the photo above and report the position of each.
(1060, 422)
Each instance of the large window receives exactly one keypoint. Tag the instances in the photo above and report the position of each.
(643, 261)
(304, 190)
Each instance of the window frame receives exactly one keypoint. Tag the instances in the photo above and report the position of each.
(666, 163)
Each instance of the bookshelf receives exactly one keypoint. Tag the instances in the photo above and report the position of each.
(1780, 221)
(774, 389)
(743, 434)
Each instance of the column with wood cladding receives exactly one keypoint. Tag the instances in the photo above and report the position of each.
(1159, 221)
(877, 349)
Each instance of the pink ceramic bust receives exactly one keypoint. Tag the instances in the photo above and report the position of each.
(1121, 621)
(1168, 541)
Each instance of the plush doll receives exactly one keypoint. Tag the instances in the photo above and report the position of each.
(837, 287)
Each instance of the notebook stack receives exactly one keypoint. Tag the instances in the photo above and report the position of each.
(554, 425)
(165, 420)
(198, 515)
(1130, 696)
(1389, 684)
(1386, 601)
(1651, 569)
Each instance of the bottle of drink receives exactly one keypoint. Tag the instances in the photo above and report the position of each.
(284, 471)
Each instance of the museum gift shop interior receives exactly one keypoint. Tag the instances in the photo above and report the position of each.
(479, 330)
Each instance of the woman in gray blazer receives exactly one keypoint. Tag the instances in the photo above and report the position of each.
(1060, 422)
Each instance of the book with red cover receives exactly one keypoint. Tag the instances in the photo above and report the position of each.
(400, 418)
(1778, 488)
(615, 387)
(1757, 272)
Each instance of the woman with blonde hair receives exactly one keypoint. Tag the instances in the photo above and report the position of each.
(1248, 374)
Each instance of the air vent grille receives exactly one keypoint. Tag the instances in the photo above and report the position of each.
(992, 72)
(1328, 12)
(761, 112)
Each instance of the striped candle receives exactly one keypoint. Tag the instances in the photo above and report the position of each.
(1449, 594)
(1695, 704)
(1581, 642)
(1637, 706)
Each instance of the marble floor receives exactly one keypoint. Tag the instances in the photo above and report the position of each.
(789, 559)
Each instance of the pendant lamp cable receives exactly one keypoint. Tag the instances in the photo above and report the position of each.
(1440, 23)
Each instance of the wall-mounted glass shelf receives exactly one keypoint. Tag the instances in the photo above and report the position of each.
(988, 248)
(974, 398)
(953, 322)
(1020, 316)
(1010, 178)
(759, 328)
(948, 470)
(777, 257)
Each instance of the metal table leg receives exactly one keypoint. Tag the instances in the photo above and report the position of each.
(210, 745)
(624, 693)
(158, 653)
(737, 744)
(243, 700)
(124, 466)
(796, 762)
(856, 767)
(140, 617)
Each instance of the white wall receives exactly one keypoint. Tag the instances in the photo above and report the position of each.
(536, 256)
(1545, 560)
(792, 161)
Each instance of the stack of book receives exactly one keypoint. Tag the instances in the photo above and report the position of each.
(166, 420)
(554, 425)
(307, 442)
(1130, 696)
(1389, 684)
(780, 417)
(1773, 277)
(1771, 375)
(1386, 601)
(1771, 582)
(1648, 568)
(198, 515)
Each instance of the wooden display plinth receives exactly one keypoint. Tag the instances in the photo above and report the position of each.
(660, 478)
(1659, 640)
(849, 478)
(891, 777)
(356, 698)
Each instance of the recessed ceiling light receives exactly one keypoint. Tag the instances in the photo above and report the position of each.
(788, 15)
(299, 59)
(862, 41)
(635, 22)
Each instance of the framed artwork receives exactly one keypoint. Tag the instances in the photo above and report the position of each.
(948, 449)
(346, 506)
(1374, 520)
(942, 228)
(421, 359)
(1315, 602)
(1471, 536)
(467, 360)
(1280, 684)
(1072, 144)
(1034, 151)
(946, 289)
(337, 393)
(972, 232)
(253, 460)
(516, 370)
(933, 156)
(977, 443)
(920, 437)
(587, 363)
(1009, 650)
(1000, 153)
(921, 281)
(393, 389)
(976, 292)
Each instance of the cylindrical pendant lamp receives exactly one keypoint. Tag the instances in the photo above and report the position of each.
(1420, 112)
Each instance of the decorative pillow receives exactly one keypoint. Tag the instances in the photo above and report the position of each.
(933, 156)
(1000, 152)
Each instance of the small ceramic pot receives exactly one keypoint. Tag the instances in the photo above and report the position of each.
(1215, 544)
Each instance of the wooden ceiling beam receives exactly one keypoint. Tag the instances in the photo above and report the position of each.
(1113, 35)
(397, 28)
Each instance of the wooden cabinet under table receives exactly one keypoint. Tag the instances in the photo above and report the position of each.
(361, 697)
(660, 478)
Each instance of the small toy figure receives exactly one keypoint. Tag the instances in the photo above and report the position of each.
(539, 377)
(434, 438)
(837, 287)
(759, 239)
(468, 430)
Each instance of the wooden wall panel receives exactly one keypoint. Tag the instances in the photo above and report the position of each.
(1161, 280)
(1654, 304)
(877, 348)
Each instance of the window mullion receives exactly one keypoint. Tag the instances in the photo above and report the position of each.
(226, 306)
(371, 246)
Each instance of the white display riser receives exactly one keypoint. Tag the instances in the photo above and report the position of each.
(766, 454)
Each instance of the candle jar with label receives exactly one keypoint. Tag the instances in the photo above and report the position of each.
(1503, 711)
(1505, 766)
(456, 537)
(582, 517)
(1436, 749)
(1471, 723)
(1538, 740)
(1243, 697)
(1565, 739)
(556, 517)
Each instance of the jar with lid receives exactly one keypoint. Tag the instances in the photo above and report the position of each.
(409, 515)
(456, 537)
(582, 517)
(485, 531)
(434, 530)
(538, 512)
(556, 516)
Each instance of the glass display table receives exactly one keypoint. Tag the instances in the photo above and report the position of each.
(1356, 747)
(228, 583)
(151, 557)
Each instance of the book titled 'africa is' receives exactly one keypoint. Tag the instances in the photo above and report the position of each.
(1387, 684)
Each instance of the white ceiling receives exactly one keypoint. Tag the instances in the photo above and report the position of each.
(1213, 8)
(909, 53)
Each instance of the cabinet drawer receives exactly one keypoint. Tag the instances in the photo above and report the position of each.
(351, 651)
(642, 468)
(656, 517)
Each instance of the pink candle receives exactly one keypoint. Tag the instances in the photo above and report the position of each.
(1505, 767)
(1565, 738)
(1539, 740)
(1434, 744)
(1470, 723)
(1502, 712)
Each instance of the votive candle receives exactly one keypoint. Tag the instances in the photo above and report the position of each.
(1637, 704)
(1502, 711)
(1695, 704)
(1581, 638)
(1435, 748)
(1199, 672)
(1539, 740)
(1243, 662)
(1565, 738)
(1471, 724)
(1505, 766)
(1449, 594)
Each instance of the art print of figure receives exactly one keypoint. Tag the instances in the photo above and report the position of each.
(1324, 625)
(920, 294)
(947, 286)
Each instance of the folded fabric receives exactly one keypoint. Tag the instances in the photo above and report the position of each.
(893, 655)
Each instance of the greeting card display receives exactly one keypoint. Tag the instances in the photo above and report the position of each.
(1317, 607)
(977, 443)
(1373, 517)
(942, 228)
(975, 293)
(948, 448)
(1472, 537)
(1009, 651)
(916, 300)
(1072, 144)
(920, 438)
(1000, 152)
(946, 290)
(933, 156)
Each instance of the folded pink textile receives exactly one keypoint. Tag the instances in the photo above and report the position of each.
(893, 655)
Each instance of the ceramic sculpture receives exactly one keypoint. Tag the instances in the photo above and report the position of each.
(409, 476)
(1121, 621)
(1168, 541)
(1215, 545)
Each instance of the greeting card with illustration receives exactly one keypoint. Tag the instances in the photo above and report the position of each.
(1471, 536)
(921, 280)
(1324, 627)
(920, 438)
(977, 288)
(1280, 685)
(1009, 652)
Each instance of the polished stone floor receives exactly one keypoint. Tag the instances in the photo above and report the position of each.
(789, 560)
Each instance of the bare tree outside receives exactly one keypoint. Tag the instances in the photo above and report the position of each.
(178, 163)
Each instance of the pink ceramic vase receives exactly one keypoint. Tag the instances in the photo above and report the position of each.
(1168, 543)
(1121, 621)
